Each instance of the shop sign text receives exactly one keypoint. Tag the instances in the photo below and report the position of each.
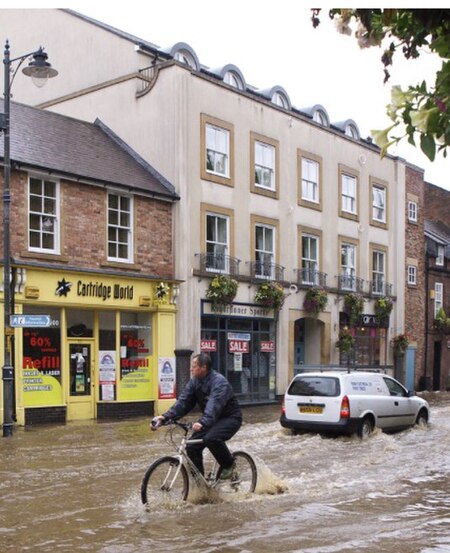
(208, 345)
(238, 346)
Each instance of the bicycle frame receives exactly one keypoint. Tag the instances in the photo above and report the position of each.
(210, 481)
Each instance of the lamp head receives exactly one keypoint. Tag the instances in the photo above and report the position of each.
(39, 69)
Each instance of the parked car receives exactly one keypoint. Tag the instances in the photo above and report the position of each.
(349, 402)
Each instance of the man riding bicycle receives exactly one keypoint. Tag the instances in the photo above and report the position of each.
(221, 415)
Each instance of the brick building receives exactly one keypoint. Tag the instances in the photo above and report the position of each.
(91, 249)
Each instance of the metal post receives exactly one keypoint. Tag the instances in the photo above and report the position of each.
(8, 369)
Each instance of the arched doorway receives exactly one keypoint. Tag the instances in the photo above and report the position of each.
(308, 340)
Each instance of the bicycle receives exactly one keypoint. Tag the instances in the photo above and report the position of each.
(168, 476)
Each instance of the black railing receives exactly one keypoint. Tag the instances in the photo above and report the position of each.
(311, 277)
(379, 287)
(219, 263)
(260, 270)
(349, 283)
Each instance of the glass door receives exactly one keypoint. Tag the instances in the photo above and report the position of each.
(81, 382)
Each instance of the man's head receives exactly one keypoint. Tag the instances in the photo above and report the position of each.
(200, 365)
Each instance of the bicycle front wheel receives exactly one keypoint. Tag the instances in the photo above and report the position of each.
(164, 480)
(244, 475)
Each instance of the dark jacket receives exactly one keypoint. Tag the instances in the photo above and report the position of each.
(213, 394)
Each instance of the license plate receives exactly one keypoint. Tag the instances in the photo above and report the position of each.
(311, 409)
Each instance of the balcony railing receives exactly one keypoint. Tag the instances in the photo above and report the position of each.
(311, 277)
(260, 270)
(219, 263)
(349, 283)
(379, 287)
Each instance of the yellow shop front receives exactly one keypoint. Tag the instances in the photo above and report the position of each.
(91, 346)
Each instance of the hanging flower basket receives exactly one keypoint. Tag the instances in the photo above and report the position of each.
(400, 344)
(222, 290)
(382, 308)
(442, 323)
(353, 306)
(346, 341)
(315, 301)
(270, 294)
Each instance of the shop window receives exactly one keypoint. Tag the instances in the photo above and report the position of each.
(135, 352)
(107, 356)
(80, 323)
(41, 361)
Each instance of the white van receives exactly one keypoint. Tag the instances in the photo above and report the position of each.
(350, 402)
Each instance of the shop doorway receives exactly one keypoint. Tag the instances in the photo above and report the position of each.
(81, 397)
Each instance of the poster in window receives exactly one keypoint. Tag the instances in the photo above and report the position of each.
(166, 372)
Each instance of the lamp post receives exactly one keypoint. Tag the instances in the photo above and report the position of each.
(39, 70)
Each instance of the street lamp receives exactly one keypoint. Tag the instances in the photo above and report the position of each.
(39, 70)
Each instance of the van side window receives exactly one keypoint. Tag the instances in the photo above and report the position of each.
(394, 388)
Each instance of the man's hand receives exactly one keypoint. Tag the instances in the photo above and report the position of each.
(157, 422)
(197, 426)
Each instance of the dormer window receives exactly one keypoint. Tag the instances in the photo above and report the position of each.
(319, 117)
(280, 100)
(351, 131)
(233, 80)
(183, 56)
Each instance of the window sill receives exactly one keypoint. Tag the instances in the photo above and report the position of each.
(45, 256)
(118, 265)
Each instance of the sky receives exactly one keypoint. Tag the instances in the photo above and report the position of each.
(274, 43)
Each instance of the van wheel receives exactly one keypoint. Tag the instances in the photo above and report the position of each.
(422, 418)
(365, 428)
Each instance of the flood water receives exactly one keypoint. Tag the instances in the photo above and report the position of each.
(76, 488)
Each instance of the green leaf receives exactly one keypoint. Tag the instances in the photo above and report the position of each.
(428, 146)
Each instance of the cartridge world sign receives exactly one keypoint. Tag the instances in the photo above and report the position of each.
(96, 290)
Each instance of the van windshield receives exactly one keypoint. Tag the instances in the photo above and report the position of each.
(315, 386)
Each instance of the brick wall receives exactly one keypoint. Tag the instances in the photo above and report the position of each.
(415, 296)
(83, 212)
(437, 203)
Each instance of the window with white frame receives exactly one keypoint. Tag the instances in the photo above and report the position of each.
(217, 242)
(43, 215)
(310, 180)
(264, 165)
(412, 212)
(378, 272)
(233, 80)
(379, 204)
(440, 255)
(264, 251)
(348, 266)
(120, 228)
(348, 193)
(217, 150)
(310, 258)
(279, 99)
(438, 297)
(320, 117)
(412, 275)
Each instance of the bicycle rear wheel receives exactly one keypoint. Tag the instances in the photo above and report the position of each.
(165, 480)
(244, 476)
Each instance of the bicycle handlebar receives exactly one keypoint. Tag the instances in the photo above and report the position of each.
(185, 426)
